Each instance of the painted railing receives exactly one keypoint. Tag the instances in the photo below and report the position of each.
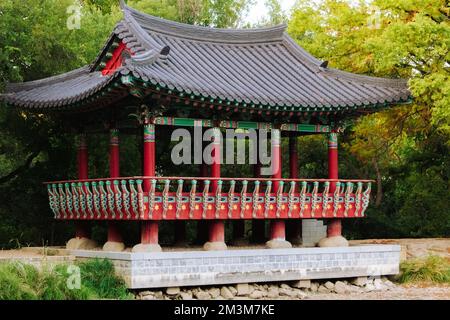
(175, 198)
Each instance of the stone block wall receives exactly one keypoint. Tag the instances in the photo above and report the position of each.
(197, 268)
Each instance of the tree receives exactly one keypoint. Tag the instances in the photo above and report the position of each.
(408, 39)
(275, 13)
(214, 13)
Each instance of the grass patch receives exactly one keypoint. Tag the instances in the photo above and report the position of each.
(431, 269)
(91, 279)
(98, 275)
(16, 282)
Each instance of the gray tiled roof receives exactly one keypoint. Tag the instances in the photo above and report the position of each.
(58, 91)
(249, 66)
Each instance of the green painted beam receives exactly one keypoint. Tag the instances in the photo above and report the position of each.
(187, 122)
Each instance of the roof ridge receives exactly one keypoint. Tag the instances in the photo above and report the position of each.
(344, 75)
(300, 52)
(202, 33)
(366, 79)
(144, 38)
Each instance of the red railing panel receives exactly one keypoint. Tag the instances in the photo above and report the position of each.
(175, 198)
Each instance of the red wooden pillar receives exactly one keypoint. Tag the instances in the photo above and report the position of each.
(82, 227)
(334, 225)
(294, 227)
(334, 235)
(277, 226)
(149, 229)
(115, 240)
(216, 231)
(258, 225)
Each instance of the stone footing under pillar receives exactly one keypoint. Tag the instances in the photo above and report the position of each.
(214, 246)
(336, 241)
(278, 244)
(147, 247)
(81, 244)
(114, 246)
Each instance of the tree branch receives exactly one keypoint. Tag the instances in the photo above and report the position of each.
(21, 168)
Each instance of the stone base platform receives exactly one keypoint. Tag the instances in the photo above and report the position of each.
(197, 268)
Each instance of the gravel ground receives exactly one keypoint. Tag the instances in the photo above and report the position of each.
(398, 293)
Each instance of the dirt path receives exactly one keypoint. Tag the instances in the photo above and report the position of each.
(415, 248)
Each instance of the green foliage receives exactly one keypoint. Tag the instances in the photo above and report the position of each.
(404, 148)
(217, 13)
(275, 14)
(33, 31)
(385, 38)
(105, 6)
(424, 205)
(431, 269)
(224, 13)
(98, 275)
(19, 281)
(52, 285)
(16, 282)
